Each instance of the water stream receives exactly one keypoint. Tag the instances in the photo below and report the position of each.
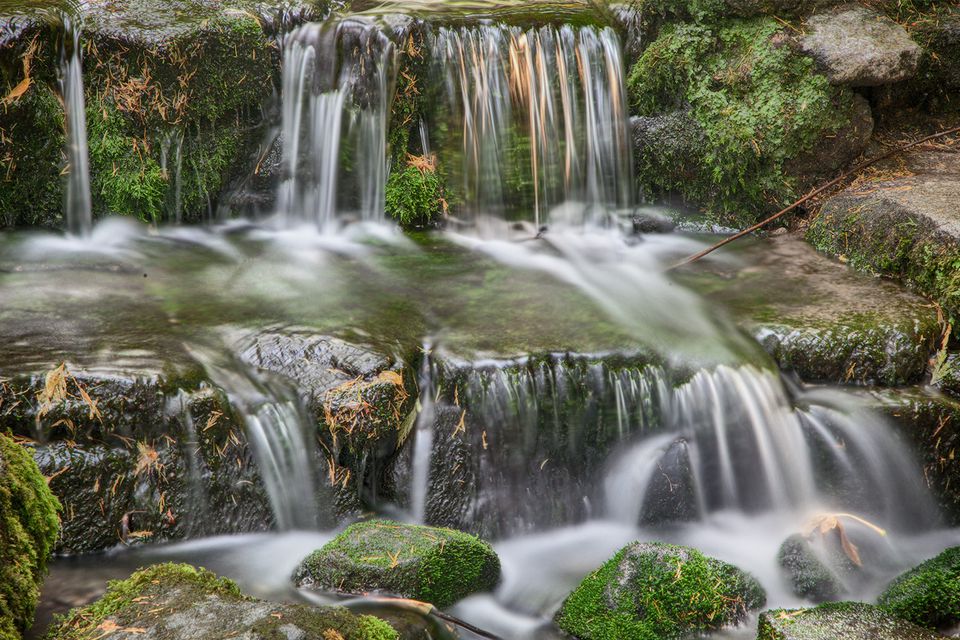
(78, 214)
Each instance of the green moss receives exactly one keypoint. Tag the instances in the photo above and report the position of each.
(759, 105)
(436, 565)
(414, 197)
(929, 594)
(28, 531)
(848, 620)
(655, 591)
(808, 576)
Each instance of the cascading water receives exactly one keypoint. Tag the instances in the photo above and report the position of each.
(77, 207)
(543, 108)
(337, 84)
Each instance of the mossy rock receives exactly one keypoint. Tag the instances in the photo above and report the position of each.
(808, 576)
(415, 197)
(847, 620)
(28, 530)
(435, 565)
(657, 591)
(178, 601)
(928, 594)
(763, 110)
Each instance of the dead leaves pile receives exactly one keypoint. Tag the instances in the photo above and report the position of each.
(56, 391)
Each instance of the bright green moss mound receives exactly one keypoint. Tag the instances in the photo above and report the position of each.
(759, 106)
(929, 594)
(414, 197)
(656, 591)
(435, 565)
(152, 598)
(28, 531)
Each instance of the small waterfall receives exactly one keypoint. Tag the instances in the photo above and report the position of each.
(278, 433)
(542, 112)
(731, 440)
(77, 208)
(423, 443)
(337, 86)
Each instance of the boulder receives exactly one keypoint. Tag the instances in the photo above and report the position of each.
(180, 601)
(847, 620)
(859, 47)
(653, 590)
(439, 566)
(901, 223)
(28, 530)
(809, 577)
(929, 594)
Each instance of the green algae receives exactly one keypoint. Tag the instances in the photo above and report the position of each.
(929, 594)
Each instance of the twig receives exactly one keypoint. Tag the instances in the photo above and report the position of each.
(843, 176)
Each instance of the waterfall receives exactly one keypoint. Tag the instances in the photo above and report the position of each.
(423, 438)
(337, 86)
(541, 111)
(77, 209)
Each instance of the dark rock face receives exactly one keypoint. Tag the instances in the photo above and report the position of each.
(809, 577)
(179, 601)
(671, 494)
(439, 566)
(848, 620)
(655, 590)
(860, 48)
(929, 594)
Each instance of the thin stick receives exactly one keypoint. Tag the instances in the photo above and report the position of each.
(843, 176)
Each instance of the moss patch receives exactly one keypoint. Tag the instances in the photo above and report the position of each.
(759, 105)
(848, 620)
(435, 565)
(28, 530)
(655, 591)
(414, 197)
(929, 594)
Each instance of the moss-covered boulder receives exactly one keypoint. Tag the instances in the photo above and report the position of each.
(809, 577)
(439, 566)
(28, 530)
(656, 591)
(415, 196)
(180, 601)
(928, 594)
(847, 620)
(763, 110)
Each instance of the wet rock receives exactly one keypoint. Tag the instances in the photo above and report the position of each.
(656, 590)
(28, 529)
(845, 145)
(671, 494)
(669, 142)
(649, 220)
(179, 601)
(902, 224)
(837, 326)
(861, 48)
(809, 577)
(848, 620)
(439, 566)
(929, 594)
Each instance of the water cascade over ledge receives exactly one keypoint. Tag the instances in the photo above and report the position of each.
(78, 216)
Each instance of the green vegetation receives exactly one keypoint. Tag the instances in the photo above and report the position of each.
(435, 565)
(759, 105)
(847, 620)
(414, 196)
(656, 591)
(28, 531)
(929, 594)
(149, 596)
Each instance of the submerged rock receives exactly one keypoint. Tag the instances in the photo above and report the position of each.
(902, 223)
(28, 530)
(928, 594)
(809, 577)
(439, 566)
(861, 48)
(180, 601)
(653, 590)
(847, 620)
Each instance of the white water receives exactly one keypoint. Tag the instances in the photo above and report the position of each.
(337, 84)
(563, 88)
(78, 216)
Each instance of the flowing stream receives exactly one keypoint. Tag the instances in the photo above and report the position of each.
(571, 395)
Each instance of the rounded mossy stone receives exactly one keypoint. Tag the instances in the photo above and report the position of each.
(808, 576)
(657, 591)
(414, 197)
(928, 594)
(183, 602)
(846, 620)
(432, 564)
(28, 531)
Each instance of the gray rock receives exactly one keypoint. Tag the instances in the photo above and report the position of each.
(847, 620)
(671, 494)
(860, 48)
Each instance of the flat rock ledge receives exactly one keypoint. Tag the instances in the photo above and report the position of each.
(847, 620)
